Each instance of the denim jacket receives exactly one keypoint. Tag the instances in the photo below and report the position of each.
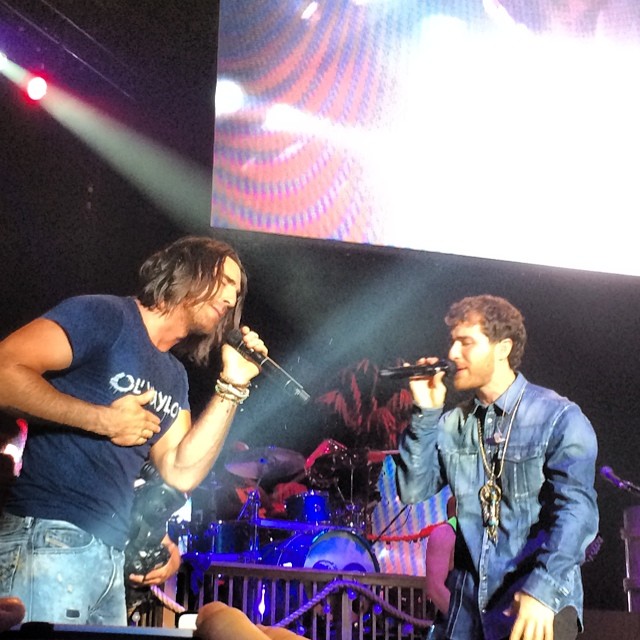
(548, 511)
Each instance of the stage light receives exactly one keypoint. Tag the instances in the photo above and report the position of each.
(4, 61)
(230, 97)
(37, 88)
(312, 7)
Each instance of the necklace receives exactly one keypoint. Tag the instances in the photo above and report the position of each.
(490, 493)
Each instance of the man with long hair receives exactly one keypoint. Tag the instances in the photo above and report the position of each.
(103, 393)
(520, 460)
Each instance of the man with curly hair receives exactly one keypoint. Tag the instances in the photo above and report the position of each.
(520, 460)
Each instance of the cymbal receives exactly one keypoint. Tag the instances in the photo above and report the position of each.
(349, 459)
(265, 463)
(375, 457)
(326, 446)
(330, 463)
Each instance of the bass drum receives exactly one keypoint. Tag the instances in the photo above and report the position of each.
(330, 550)
(334, 550)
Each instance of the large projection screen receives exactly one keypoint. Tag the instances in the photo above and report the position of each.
(502, 129)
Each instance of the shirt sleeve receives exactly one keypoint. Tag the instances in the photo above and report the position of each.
(92, 324)
(570, 505)
(418, 473)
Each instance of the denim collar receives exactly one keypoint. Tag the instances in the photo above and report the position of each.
(474, 407)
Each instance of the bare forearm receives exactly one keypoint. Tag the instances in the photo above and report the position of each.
(186, 453)
(125, 421)
(26, 392)
(186, 466)
(41, 346)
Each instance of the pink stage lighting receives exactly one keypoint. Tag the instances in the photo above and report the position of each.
(37, 88)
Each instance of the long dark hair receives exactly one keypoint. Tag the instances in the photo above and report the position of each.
(190, 270)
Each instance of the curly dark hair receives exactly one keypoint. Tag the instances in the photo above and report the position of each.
(498, 318)
(190, 270)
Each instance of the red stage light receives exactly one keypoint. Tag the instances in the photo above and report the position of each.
(37, 88)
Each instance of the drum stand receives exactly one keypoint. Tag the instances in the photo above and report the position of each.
(355, 516)
(250, 510)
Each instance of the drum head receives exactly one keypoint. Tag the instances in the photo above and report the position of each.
(337, 550)
(290, 553)
(330, 550)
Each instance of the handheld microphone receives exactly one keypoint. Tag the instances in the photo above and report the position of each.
(410, 371)
(270, 368)
(608, 474)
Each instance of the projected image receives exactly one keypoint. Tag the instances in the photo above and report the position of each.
(505, 129)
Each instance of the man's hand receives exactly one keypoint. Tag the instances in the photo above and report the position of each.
(237, 369)
(534, 620)
(12, 612)
(428, 392)
(126, 422)
(160, 574)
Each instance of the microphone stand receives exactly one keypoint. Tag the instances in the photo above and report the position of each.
(619, 483)
(377, 538)
(630, 488)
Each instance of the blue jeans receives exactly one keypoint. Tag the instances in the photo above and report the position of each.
(62, 574)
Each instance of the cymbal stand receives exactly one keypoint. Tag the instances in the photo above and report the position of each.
(358, 514)
(251, 510)
(349, 505)
(335, 483)
(352, 508)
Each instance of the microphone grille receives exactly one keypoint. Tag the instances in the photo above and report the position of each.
(234, 337)
(450, 366)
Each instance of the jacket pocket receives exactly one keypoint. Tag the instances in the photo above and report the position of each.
(463, 472)
(523, 473)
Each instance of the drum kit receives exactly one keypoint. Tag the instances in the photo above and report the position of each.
(324, 527)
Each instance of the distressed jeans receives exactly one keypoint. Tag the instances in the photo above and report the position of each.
(62, 574)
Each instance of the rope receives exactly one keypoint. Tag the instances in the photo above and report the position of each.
(334, 585)
(170, 604)
(337, 584)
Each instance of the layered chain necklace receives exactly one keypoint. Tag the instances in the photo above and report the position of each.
(490, 493)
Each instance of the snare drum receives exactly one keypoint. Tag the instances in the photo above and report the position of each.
(236, 538)
(311, 507)
(233, 536)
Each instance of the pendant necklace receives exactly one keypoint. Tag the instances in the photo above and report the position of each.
(490, 492)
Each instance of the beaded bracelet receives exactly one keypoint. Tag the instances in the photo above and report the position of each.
(230, 392)
(228, 396)
(234, 384)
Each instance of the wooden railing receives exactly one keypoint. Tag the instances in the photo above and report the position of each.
(314, 603)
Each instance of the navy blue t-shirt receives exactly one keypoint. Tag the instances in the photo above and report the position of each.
(83, 478)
